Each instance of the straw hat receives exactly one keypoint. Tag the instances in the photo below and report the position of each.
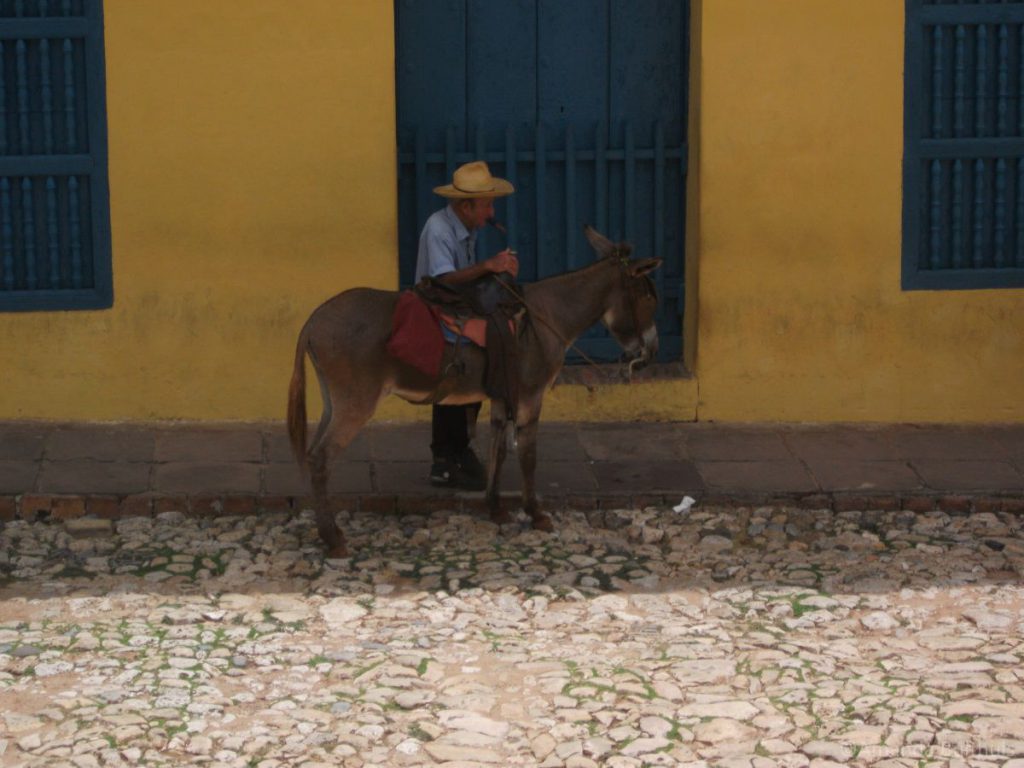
(474, 180)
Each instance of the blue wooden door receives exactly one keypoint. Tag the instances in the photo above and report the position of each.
(580, 103)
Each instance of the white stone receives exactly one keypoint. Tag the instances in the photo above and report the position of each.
(342, 614)
(820, 601)
(879, 621)
(714, 543)
(777, 746)
(543, 745)
(732, 710)
(697, 671)
(199, 745)
(608, 604)
(943, 642)
(667, 690)
(999, 727)
(644, 746)
(723, 729)
(980, 707)
(989, 621)
(371, 732)
(30, 742)
(19, 723)
(409, 747)
(466, 739)
(567, 749)
(48, 669)
(863, 736)
(962, 668)
(413, 699)
(840, 753)
(454, 753)
(655, 726)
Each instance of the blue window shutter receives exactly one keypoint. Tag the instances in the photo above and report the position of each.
(54, 199)
(963, 195)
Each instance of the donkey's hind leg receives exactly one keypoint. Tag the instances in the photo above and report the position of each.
(338, 428)
(330, 533)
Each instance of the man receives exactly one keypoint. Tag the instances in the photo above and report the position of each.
(447, 251)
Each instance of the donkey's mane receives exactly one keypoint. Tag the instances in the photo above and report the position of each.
(572, 272)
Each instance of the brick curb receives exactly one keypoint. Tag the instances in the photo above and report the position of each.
(37, 507)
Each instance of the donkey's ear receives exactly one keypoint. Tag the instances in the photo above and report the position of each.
(601, 244)
(642, 267)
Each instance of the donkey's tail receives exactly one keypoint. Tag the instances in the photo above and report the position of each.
(297, 403)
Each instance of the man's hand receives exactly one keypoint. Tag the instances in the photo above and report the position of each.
(503, 261)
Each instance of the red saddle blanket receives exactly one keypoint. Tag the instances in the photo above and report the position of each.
(416, 337)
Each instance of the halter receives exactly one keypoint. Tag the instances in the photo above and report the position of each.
(636, 288)
(633, 293)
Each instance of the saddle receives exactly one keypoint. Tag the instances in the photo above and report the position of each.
(488, 299)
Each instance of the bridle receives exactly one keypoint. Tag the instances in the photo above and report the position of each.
(635, 288)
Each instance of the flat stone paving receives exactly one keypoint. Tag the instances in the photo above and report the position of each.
(736, 637)
(255, 459)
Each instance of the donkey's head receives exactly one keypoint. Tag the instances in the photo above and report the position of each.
(633, 300)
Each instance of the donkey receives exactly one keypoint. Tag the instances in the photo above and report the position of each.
(346, 339)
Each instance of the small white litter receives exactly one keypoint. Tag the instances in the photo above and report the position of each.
(685, 504)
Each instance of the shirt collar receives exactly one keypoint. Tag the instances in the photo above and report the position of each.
(459, 228)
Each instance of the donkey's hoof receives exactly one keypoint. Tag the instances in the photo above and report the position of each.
(542, 522)
(337, 552)
(500, 517)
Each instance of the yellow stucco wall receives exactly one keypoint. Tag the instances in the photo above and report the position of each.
(252, 173)
(801, 315)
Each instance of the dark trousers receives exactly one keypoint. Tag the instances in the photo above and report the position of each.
(450, 429)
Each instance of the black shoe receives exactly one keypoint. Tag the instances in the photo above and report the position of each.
(442, 472)
(470, 474)
(463, 471)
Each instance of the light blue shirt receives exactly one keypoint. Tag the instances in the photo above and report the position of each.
(445, 245)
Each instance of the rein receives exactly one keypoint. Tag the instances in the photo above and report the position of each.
(634, 300)
(533, 312)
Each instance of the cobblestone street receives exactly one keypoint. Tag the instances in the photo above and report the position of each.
(728, 637)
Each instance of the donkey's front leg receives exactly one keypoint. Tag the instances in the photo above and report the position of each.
(526, 435)
(497, 458)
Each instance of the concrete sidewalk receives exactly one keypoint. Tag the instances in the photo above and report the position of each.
(70, 470)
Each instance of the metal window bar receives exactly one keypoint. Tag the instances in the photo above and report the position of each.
(964, 144)
(604, 161)
(54, 221)
(660, 156)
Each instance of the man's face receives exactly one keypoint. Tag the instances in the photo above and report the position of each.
(476, 212)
